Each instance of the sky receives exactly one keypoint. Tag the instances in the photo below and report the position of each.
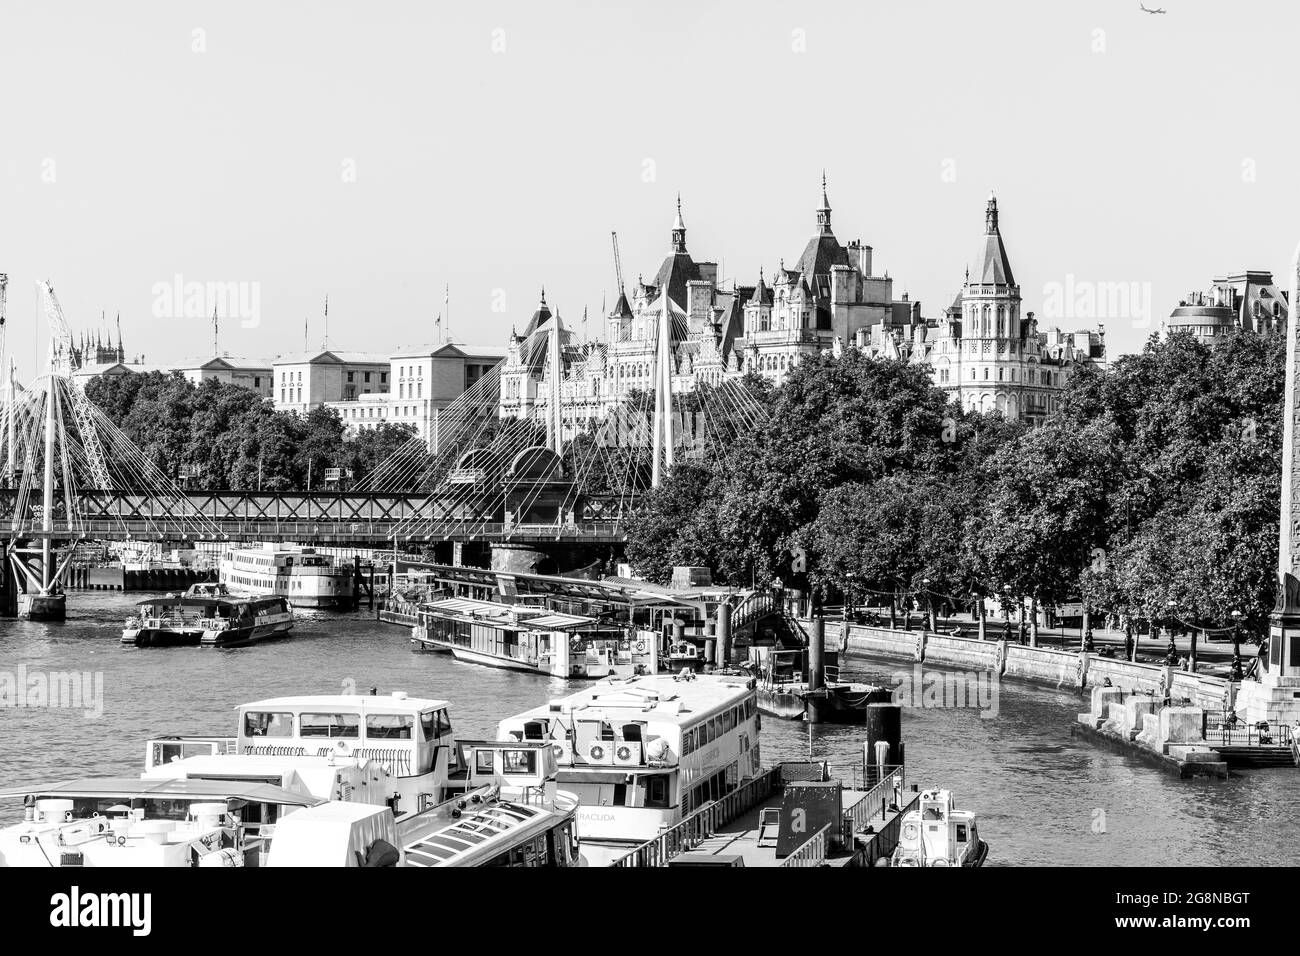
(393, 155)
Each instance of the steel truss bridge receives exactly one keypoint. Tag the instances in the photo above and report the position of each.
(325, 518)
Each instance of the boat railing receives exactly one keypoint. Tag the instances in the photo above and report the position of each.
(694, 829)
(163, 750)
(812, 852)
(873, 804)
(393, 759)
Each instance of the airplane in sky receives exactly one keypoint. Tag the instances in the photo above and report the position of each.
(1157, 10)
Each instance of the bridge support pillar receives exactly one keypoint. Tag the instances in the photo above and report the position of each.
(516, 558)
(8, 587)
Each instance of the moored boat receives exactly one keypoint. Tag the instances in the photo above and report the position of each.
(299, 575)
(936, 833)
(401, 747)
(210, 615)
(644, 752)
(783, 688)
(535, 639)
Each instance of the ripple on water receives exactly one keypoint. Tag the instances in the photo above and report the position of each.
(1043, 796)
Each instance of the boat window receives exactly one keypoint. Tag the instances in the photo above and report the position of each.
(519, 761)
(606, 731)
(656, 792)
(435, 723)
(631, 731)
(961, 833)
(483, 761)
(330, 725)
(258, 723)
(390, 726)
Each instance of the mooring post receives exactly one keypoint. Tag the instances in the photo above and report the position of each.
(722, 631)
(816, 669)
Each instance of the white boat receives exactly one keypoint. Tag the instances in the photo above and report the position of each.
(388, 749)
(644, 752)
(124, 822)
(511, 815)
(534, 639)
(207, 614)
(299, 575)
(936, 833)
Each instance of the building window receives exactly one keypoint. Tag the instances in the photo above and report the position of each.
(367, 379)
(383, 378)
(257, 381)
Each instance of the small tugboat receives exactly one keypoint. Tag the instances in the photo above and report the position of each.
(783, 688)
(210, 615)
(936, 833)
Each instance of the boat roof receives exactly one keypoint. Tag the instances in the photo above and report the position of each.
(664, 697)
(509, 615)
(471, 830)
(184, 789)
(398, 702)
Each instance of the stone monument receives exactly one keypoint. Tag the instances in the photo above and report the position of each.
(1276, 697)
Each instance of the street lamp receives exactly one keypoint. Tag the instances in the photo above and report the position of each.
(1236, 673)
(1171, 658)
(929, 608)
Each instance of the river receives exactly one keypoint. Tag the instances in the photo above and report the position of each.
(1043, 796)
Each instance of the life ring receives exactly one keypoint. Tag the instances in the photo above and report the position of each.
(625, 645)
(623, 753)
(909, 831)
(575, 644)
(557, 750)
(640, 647)
(597, 752)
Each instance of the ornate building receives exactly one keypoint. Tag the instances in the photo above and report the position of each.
(1245, 300)
(988, 355)
(984, 352)
(827, 301)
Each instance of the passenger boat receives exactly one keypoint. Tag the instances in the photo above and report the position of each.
(207, 614)
(936, 833)
(387, 749)
(534, 639)
(783, 688)
(511, 815)
(685, 654)
(300, 575)
(642, 753)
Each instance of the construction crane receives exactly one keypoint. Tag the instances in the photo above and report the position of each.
(618, 263)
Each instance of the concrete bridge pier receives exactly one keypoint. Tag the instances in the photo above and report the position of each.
(8, 588)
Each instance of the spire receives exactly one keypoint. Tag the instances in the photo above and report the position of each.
(991, 216)
(824, 211)
(679, 229)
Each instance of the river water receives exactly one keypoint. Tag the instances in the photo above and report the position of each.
(1043, 796)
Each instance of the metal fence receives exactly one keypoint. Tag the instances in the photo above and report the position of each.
(812, 852)
(703, 823)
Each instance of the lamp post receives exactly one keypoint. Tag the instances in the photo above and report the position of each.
(1236, 673)
(929, 606)
(1171, 657)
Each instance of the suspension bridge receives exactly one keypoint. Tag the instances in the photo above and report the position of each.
(557, 477)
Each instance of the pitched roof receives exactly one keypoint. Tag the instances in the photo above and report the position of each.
(678, 268)
(992, 267)
(331, 357)
(822, 252)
